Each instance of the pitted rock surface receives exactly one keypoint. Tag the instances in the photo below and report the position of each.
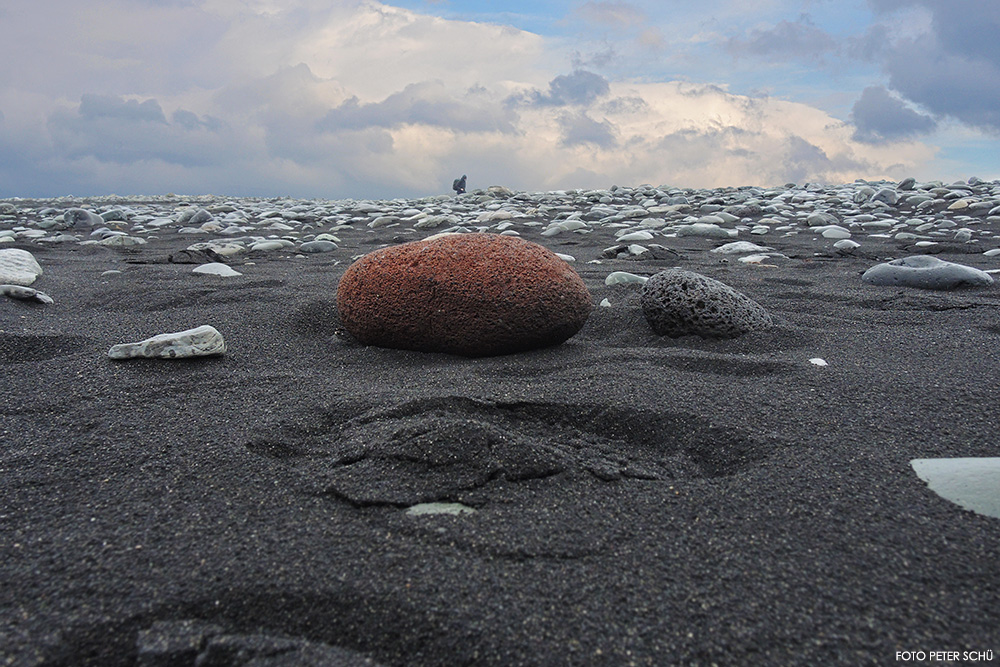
(677, 303)
(468, 294)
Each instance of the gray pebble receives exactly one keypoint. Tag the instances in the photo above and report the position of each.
(925, 272)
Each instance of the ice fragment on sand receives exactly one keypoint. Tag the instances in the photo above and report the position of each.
(816, 361)
(18, 267)
(925, 272)
(623, 277)
(198, 342)
(972, 483)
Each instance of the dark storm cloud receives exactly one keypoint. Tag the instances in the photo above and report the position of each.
(796, 39)
(192, 121)
(693, 144)
(112, 129)
(879, 117)
(632, 104)
(424, 104)
(579, 128)
(954, 69)
(579, 88)
(110, 106)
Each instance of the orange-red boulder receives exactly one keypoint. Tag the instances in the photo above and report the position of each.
(468, 294)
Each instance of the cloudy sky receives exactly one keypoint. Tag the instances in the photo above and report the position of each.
(365, 99)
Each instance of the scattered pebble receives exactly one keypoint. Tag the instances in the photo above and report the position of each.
(18, 267)
(926, 272)
(216, 269)
(198, 342)
(423, 509)
(25, 293)
(624, 278)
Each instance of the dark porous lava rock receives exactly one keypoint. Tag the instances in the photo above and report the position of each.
(677, 303)
(468, 294)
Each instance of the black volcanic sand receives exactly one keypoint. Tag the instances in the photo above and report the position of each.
(638, 500)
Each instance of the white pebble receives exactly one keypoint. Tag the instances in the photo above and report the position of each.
(198, 342)
(216, 269)
(622, 278)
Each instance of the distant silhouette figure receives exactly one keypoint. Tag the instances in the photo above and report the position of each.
(459, 185)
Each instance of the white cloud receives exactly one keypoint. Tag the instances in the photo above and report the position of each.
(360, 99)
(379, 49)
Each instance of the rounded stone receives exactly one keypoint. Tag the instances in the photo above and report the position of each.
(81, 217)
(925, 272)
(470, 294)
(678, 303)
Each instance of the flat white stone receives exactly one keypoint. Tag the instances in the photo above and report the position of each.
(120, 240)
(565, 258)
(216, 269)
(836, 232)
(709, 230)
(972, 483)
(18, 267)
(315, 246)
(198, 342)
(635, 236)
(754, 259)
(25, 293)
(454, 509)
(270, 245)
(221, 249)
(623, 277)
(739, 247)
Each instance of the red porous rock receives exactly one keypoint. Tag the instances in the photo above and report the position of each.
(469, 294)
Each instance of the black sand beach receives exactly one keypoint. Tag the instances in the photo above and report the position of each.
(638, 500)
